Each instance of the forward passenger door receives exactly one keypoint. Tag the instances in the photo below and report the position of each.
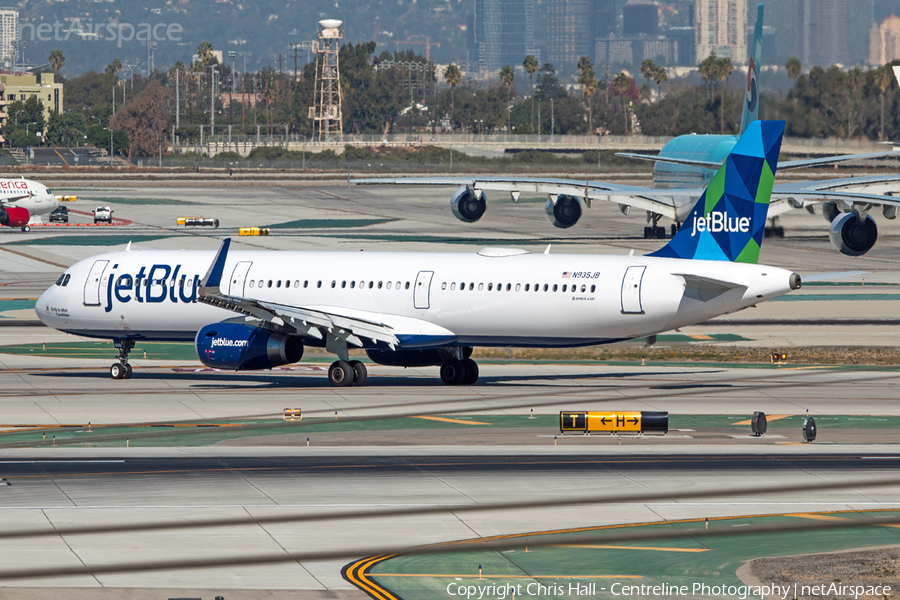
(422, 290)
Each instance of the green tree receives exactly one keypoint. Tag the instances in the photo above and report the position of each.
(205, 54)
(508, 78)
(794, 68)
(57, 60)
(659, 77)
(647, 70)
(883, 79)
(548, 86)
(621, 84)
(530, 64)
(113, 68)
(453, 77)
(588, 82)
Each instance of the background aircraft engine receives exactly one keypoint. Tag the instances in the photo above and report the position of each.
(406, 358)
(852, 236)
(239, 347)
(14, 216)
(830, 211)
(468, 205)
(565, 212)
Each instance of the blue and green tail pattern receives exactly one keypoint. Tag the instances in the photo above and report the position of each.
(729, 220)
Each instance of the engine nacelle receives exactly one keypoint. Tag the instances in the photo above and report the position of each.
(238, 347)
(852, 236)
(14, 216)
(830, 211)
(565, 212)
(468, 205)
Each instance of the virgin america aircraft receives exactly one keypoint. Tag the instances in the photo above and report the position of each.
(258, 309)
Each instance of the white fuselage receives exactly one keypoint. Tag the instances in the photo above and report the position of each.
(513, 298)
(31, 195)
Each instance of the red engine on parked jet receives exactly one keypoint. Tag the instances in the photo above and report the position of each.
(14, 216)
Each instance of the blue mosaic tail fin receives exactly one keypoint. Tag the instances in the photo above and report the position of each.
(729, 220)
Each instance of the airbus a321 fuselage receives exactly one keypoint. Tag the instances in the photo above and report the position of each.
(20, 199)
(258, 309)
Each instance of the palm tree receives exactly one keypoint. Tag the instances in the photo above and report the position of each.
(205, 54)
(883, 83)
(660, 77)
(707, 71)
(647, 69)
(508, 77)
(531, 66)
(621, 83)
(794, 68)
(114, 67)
(723, 71)
(453, 77)
(57, 60)
(588, 82)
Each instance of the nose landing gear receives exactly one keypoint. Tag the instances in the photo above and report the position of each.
(121, 369)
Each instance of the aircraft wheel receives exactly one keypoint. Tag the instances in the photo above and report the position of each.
(360, 375)
(340, 374)
(128, 371)
(453, 372)
(779, 231)
(26, 228)
(660, 233)
(471, 368)
(117, 371)
(646, 233)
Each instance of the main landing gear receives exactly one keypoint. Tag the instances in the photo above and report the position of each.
(773, 229)
(121, 369)
(655, 231)
(344, 373)
(459, 372)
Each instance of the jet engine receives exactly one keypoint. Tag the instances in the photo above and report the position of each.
(852, 235)
(468, 205)
(14, 216)
(239, 347)
(565, 212)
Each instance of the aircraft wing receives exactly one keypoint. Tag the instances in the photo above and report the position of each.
(643, 198)
(883, 190)
(782, 166)
(325, 322)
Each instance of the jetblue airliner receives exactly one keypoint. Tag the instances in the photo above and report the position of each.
(258, 309)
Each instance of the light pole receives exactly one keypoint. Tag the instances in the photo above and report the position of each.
(130, 66)
(232, 54)
(244, 86)
(17, 115)
(151, 46)
(26, 127)
(110, 144)
(212, 100)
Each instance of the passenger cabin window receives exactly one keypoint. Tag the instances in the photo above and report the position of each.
(398, 285)
(379, 285)
(480, 287)
(278, 284)
(407, 285)
(333, 283)
(518, 287)
(554, 287)
(444, 286)
(305, 283)
(490, 286)
(453, 286)
(251, 282)
(297, 283)
(371, 284)
(319, 284)
(593, 287)
(269, 284)
(352, 284)
(343, 284)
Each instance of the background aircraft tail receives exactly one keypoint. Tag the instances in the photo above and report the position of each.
(729, 220)
(751, 95)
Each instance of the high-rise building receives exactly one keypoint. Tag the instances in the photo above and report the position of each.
(9, 35)
(640, 17)
(683, 37)
(833, 31)
(721, 27)
(502, 33)
(603, 18)
(569, 32)
(884, 41)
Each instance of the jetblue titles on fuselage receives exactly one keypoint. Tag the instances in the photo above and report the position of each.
(158, 284)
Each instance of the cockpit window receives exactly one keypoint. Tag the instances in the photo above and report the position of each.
(60, 280)
(66, 280)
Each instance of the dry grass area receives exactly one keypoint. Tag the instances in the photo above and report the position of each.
(873, 567)
(819, 355)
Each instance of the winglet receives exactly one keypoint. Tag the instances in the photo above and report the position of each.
(213, 277)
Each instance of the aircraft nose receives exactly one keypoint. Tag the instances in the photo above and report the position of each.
(42, 307)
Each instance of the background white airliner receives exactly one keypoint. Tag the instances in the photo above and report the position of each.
(22, 198)
(684, 163)
(257, 310)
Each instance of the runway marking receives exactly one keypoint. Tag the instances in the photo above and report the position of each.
(30, 257)
(816, 517)
(446, 420)
(469, 576)
(634, 548)
(700, 336)
(768, 418)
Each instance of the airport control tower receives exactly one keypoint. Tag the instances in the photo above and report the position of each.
(326, 112)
